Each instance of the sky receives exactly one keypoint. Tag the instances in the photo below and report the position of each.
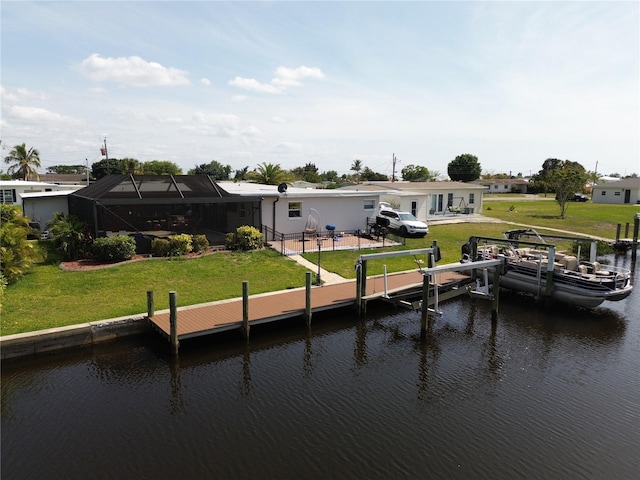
(291, 83)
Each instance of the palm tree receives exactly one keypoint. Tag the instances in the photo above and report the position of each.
(25, 162)
(356, 166)
(268, 174)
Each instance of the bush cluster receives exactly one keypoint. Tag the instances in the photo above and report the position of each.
(244, 238)
(178, 245)
(114, 249)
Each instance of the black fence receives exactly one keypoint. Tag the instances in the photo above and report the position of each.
(329, 240)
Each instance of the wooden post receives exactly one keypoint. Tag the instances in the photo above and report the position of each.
(150, 309)
(245, 309)
(173, 322)
(636, 227)
(424, 317)
(496, 291)
(307, 308)
(358, 288)
(618, 232)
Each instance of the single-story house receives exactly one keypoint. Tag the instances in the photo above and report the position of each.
(11, 191)
(160, 205)
(504, 185)
(427, 199)
(288, 210)
(622, 191)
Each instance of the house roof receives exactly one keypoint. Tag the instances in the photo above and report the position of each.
(414, 186)
(631, 182)
(56, 193)
(152, 186)
(249, 188)
(502, 181)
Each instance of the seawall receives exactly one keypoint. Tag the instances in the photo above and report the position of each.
(61, 338)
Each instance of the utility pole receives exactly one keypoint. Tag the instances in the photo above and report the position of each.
(104, 152)
(86, 160)
(393, 171)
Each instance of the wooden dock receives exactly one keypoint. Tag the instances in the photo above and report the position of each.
(205, 319)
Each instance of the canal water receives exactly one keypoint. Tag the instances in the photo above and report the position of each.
(544, 393)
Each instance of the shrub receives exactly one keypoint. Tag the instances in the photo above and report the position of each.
(244, 238)
(180, 244)
(114, 249)
(160, 247)
(200, 243)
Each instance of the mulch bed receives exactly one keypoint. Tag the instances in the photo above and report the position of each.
(92, 264)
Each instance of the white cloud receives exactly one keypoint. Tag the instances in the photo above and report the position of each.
(19, 94)
(277, 119)
(217, 125)
(131, 71)
(205, 81)
(40, 115)
(285, 78)
(287, 148)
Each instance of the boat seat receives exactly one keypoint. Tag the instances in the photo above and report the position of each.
(570, 262)
(598, 270)
(583, 269)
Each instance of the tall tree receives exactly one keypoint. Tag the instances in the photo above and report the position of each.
(356, 166)
(24, 162)
(214, 169)
(416, 173)
(268, 174)
(67, 169)
(464, 168)
(160, 167)
(369, 175)
(241, 174)
(540, 181)
(567, 179)
(107, 166)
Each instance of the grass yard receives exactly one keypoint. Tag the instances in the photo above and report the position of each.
(50, 297)
(587, 218)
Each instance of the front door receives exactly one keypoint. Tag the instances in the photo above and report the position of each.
(627, 196)
(414, 208)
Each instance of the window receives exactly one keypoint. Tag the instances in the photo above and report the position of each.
(604, 192)
(369, 204)
(8, 196)
(414, 207)
(295, 209)
(616, 194)
(242, 210)
(472, 198)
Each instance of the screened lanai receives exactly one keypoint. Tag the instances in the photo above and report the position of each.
(163, 205)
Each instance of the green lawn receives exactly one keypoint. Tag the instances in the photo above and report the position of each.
(50, 297)
(587, 218)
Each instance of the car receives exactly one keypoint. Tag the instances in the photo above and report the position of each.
(579, 197)
(405, 223)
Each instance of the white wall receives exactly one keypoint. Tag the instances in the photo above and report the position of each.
(614, 195)
(347, 213)
(41, 210)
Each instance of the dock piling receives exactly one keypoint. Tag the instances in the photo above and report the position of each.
(150, 308)
(173, 322)
(245, 309)
(424, 315)
(307, 307)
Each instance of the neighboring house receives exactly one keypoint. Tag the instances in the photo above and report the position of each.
(41, 206)
(11, 191)
(504, 185)
(65, 179)
(160, 205)
(426, 199)
(622, 191)
(295, 209)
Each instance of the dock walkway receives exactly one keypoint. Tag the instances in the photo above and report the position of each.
(204, 319)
